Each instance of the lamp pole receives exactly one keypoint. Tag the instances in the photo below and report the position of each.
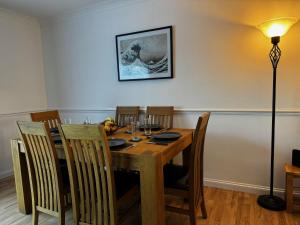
(271, 201)
(274, 29)
(275, 54)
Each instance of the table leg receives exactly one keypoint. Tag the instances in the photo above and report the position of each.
(289, 193)
(21, 178)
(152, 189)
(186, 156)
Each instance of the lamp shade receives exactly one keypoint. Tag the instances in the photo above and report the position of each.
(277, 27)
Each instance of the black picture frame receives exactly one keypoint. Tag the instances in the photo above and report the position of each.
(145, 55)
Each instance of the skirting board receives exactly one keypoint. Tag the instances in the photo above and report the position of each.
(5, 174)
(235, 186)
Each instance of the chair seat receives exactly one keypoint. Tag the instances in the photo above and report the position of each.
(125, 181)
(176, 176)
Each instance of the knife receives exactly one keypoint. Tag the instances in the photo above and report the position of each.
(155, 143)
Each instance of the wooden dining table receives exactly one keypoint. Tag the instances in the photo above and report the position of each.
(147, 158)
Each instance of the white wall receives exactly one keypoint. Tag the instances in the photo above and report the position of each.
(219, 65)
(22, 86)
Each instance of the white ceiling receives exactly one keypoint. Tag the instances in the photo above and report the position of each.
(250, 12)
(46, 8)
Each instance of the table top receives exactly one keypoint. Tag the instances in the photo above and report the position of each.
(142, 148)
(290, 169)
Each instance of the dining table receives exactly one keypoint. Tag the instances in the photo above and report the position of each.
(144, 156)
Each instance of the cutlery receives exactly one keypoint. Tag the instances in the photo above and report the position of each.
(128, 147)
(156, 143)
(163, 130)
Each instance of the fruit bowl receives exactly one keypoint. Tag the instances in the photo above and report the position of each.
(109, 125)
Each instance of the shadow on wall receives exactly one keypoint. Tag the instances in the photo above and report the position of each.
(8, 131)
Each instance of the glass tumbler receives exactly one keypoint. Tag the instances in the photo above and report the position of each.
(128, 121)
(147, 126)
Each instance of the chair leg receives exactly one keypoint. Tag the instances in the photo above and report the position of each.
(61, 218)
(202, 205)
(75, 222)
(193, 217)
(35, 216)
(203, 209)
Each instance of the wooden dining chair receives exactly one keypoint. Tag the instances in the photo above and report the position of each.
(188, 182)
(47, 189)
(123, 113)
(51, 117)
(162, 115)
(94, 185)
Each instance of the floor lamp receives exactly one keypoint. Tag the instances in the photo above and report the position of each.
(274, 29)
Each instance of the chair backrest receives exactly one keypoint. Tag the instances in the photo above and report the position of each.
(44, 172)
(51, 117)
(91, 174)
(196, 159)
(124, 113)
(162, 115)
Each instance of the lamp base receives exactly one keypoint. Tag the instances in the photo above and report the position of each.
(271, 202)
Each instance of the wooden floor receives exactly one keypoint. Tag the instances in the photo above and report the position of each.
(224, 208)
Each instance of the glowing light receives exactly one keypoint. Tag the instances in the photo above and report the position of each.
(277, 27)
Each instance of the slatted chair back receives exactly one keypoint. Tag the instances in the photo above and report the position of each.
(196, 161)
(91, 174)
(44, 172)
(125, 113)
(51, 117)
(162, 115)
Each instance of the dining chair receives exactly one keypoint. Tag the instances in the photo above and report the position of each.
(95, 187)
(51, 117)
(162, 115)
(188, 182)
(47, 188)
(124, 113)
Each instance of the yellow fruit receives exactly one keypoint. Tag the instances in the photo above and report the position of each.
(109, 118)
(107, 128)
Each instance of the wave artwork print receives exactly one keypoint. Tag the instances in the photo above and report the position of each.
(144, 57)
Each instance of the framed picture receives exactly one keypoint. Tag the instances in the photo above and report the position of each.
(145, 54)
